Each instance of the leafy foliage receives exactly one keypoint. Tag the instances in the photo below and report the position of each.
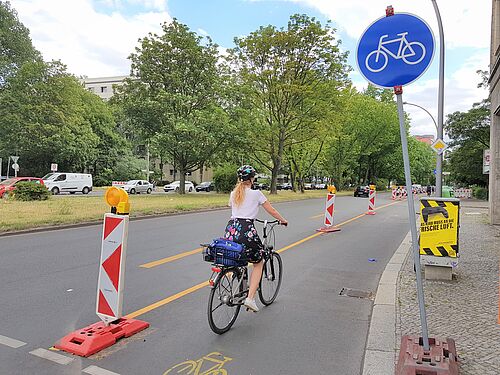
(225, 178)
(30, 191)
(174, 97)
(470, 134)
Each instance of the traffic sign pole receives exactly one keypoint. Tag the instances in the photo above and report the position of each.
(413, 221)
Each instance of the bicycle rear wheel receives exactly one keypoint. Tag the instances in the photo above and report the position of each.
(270, 282)
(222, 313)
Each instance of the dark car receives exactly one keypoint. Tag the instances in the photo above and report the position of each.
(262, 186)
(362, 191)
(206, 186)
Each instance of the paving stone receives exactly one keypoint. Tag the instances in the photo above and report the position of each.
(465, 309)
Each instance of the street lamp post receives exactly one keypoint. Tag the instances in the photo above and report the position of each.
(439, 164)
(438, 157)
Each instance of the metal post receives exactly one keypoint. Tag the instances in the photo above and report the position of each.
(8, 167)
(413, 223)
(439, 163)
(1, 169)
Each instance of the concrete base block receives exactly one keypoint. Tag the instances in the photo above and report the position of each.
(438, 273)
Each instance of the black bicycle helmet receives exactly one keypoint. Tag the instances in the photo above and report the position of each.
(246, 172)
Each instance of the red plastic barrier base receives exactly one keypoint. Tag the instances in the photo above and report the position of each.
(96, 337)
(326, 229)
(371, 213)
(440, 359)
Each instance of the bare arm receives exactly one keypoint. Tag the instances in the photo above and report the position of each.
(274, 213)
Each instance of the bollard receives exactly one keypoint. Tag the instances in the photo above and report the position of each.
(371, 201)
(92, 339)
(329, 211)
(394, 194)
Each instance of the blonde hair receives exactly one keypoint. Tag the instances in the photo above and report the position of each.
(239, 192)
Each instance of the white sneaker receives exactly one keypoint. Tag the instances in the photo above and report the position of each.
(251, 305)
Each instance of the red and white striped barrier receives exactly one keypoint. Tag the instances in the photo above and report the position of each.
(462, 193)
(98, 336)
(329, 211)
(371, 202)
(394, 194)
(112, 268)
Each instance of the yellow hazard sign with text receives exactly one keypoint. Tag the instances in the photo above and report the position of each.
(439, 225)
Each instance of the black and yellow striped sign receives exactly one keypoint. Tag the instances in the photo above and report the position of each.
(439, 224)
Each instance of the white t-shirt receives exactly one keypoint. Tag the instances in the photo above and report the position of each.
(249, 208)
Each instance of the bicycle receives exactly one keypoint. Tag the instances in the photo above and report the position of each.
(405, 51)
(229, 284)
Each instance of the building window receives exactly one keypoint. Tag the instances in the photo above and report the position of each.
(104, 89)
(171, 172)
(91, 89)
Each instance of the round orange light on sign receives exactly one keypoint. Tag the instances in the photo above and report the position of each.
(115, 196)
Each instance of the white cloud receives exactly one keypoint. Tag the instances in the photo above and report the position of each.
(466, 23)
(460, 92)
(88, 42)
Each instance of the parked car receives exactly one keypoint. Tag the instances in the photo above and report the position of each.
(320, 186)
(138, 186)
(262, 186)
(309, 186)
(362, 191)
(175, 186)
(286, 186)
(68, 182)
(206, 186)
(9, 185)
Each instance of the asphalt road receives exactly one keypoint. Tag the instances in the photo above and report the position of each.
(49, 282)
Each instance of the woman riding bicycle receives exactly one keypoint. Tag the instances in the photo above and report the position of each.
(244, 203)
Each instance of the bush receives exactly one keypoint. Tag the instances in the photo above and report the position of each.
(382, 184)
(225, 178)
(480, 193)
(30, 191)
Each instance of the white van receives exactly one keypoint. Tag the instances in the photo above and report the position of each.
(68, 182)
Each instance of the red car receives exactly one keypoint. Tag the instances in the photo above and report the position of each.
(10, 184)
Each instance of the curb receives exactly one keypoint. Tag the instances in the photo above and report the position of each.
(380, 348)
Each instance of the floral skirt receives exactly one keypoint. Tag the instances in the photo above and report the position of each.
(243, 231)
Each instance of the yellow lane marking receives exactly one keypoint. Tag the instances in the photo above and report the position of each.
(377, 208)
(205, 283)
(54, 349)
(166, 300)
(317, 216)
(170, 259)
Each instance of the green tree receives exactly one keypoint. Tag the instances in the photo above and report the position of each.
(174, 97)
(15, 43)
(470, 136)
(43, 119)
(281, 71)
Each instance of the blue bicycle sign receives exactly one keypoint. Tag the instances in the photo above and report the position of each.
(395, 50)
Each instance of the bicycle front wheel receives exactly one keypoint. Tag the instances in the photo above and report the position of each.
(222, 309)
(270, 282)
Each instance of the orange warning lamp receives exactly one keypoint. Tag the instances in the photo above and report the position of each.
(332, 189)
(372, 187)
(117, 199)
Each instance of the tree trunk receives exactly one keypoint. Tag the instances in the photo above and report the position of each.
(182, 179)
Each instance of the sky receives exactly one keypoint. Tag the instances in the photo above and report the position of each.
(95, 37)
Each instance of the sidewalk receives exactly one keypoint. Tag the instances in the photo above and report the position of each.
(465, 309)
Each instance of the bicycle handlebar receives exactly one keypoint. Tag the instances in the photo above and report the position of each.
(269, 222)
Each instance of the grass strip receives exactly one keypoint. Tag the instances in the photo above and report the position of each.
(16, 215)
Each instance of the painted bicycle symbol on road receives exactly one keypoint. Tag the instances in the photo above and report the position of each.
(410, 52)
(199, 367)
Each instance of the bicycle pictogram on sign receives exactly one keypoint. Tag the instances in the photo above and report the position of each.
(395, 50)
(410, 52)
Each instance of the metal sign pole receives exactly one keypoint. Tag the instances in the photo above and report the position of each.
(413, 221)
(1, 169)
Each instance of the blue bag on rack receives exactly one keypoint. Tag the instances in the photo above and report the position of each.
(227, 253)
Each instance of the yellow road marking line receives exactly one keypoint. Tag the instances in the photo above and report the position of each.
(317, 216)
(170, 259)
(377, 208)
(205, 283)
(166, 300)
